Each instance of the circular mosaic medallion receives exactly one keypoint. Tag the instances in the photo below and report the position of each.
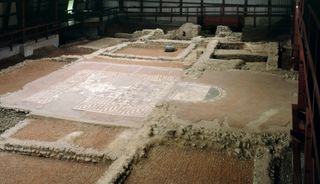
(193, 92)
(214, 93)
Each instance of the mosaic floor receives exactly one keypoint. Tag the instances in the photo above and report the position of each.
(94, 92)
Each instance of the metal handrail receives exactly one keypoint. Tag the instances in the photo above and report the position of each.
(23, 35)
(198, 10)
(307, 49)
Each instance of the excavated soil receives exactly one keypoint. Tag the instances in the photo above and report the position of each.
(251, 99)
(231, 45)
(50, 51)
(153, 52)
(91, 136)
(254, 66)
(10, 61)
(34, 170)
(171, 164)
(9, 118)
(244, 57)
(15, 79)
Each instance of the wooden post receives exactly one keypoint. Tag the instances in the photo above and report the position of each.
(100, 7)
(308, 163)
(7, 15)
(171, 12)
(245, 12)
(55, 16)
(126, 10)
(156, 15)
(55, 13)
(296, 148)
(201, 13)
(23, 20)
(75, 6)
(296, 120)
(121, 5)
(245, 9)
(222, 8)
(75, 11)
(87, 4)
(38, 8)
(187, 14)
(180, 5)
(269, 13)
(201, 6)
(141, 9)
(254, 18)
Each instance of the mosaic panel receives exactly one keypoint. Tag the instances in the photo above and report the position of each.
(114, 93)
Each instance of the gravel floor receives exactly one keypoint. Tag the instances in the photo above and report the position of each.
(9, 118)
(170, 164)
(17, 78)
(91, 136)
(153, 52)
(20, 169)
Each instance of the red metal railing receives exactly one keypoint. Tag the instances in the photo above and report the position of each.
(206, 13)
(306, 114)
(227, 11)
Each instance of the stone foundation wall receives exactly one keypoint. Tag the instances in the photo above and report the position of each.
(111, 52)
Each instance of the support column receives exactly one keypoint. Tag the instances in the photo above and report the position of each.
(55, 10)
(38, 7)
(245, 12)
(141, 9)
(298, 120)
(180, 6)
(7, 15)
(223, 6)
(269, 13)
(76, 12)
(200, 19)
(308, 158)
(254, 18)
(297, 141)
(121, 5)
(87, 5)
(100, 8)
(245, 8)
(23, 19)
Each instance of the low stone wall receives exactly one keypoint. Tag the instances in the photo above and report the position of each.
(54, 150)
(273, 56)
(111, 52)
(160, 44)
(186, 32)
(200, 66)
(57, 150)
(222, 54)
(10, 117)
